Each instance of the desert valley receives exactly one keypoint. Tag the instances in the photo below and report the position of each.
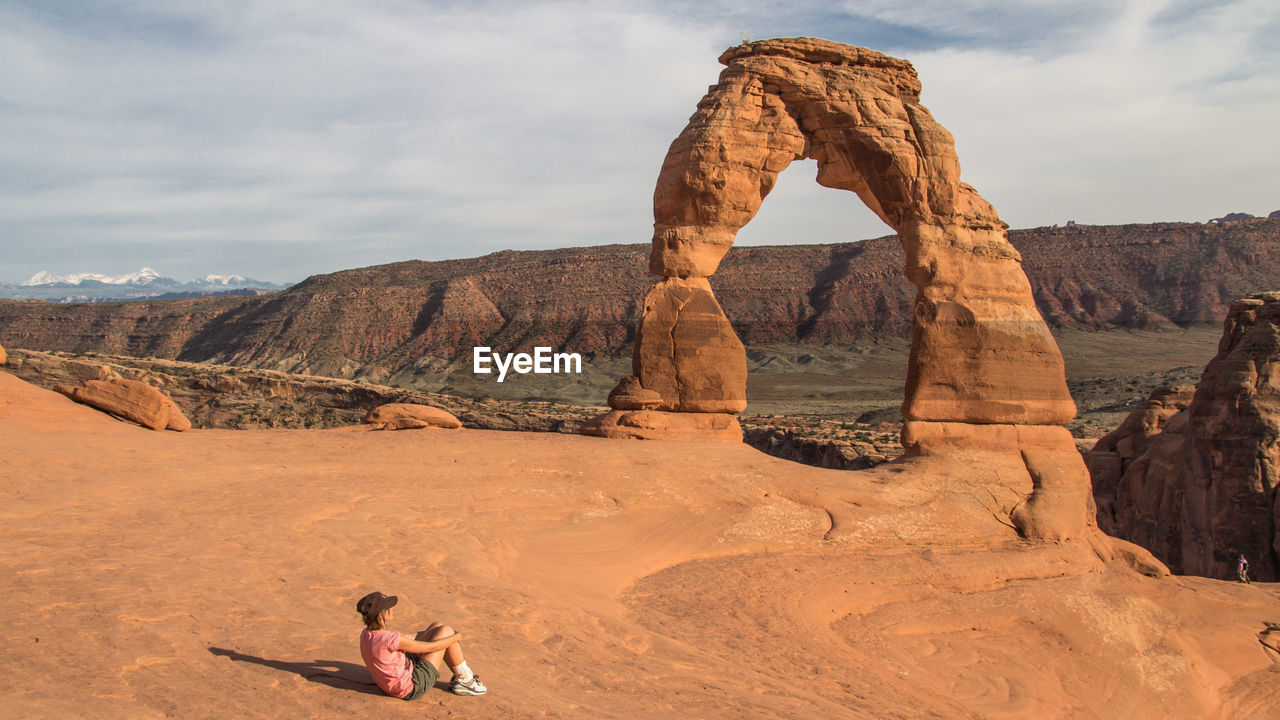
(957, 472)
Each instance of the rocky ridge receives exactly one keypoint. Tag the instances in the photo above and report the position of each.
(398, 323)
(222, 396)
(227, 397)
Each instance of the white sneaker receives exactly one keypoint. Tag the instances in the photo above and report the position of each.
(470, 687)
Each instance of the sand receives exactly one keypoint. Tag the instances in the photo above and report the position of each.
(214, 574)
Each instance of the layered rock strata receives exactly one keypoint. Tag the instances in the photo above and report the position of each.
(1204, 490)
(982, 360)
(1114, 454)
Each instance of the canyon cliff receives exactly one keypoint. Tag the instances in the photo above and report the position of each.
(386, 322)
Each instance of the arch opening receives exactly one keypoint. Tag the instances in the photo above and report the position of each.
(983, 371)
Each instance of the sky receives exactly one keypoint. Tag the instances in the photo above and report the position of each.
(287, 138)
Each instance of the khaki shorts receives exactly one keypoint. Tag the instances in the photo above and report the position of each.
(424, 676)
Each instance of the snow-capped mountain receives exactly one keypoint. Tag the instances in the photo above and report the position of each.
(229, 280)
(145, 276)
(144, 284)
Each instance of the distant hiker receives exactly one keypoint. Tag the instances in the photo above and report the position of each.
(406, 667)
(1242, 569)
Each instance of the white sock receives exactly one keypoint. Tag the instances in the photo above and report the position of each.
(461, 672)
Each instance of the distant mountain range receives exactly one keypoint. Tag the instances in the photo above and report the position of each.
(145, 284)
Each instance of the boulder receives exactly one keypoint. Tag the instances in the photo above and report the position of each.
(132, 400)
(178, 421)
(404, 416)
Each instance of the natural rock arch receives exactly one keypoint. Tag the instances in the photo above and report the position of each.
(984, 369)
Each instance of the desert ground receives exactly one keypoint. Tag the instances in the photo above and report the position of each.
(214, 573)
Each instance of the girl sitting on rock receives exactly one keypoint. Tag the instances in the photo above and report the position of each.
(406, 667)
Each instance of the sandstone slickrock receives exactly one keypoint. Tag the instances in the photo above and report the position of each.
(1205, 489)
(1115, 453)
(1054, 507)
(1270, 639)
(983, 366)
(3, 356)
(134, 401)
(403, 416)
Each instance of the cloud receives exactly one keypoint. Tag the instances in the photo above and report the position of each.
(1156, 116)
(283, 139)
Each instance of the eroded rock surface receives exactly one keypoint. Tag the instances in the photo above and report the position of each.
(1205, 488)
(660, 425)
(981, 356)
(1115, 453)
(981, 351)
(629, 394)
(687, 352)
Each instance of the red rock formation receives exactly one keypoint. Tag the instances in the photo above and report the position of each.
(631, 395)
(1114, 454)
(131, 400)
(1205, 489)
(983, 370)
(857, 113)
(3, 356)
(660, 425)
(405, 416)
(687, 352)
(177, 421)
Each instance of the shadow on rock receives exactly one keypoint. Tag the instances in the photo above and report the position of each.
(334, 673)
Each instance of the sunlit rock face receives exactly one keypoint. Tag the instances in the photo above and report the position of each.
(981, 353)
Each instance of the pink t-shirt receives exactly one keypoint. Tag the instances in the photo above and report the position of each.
(390, 668)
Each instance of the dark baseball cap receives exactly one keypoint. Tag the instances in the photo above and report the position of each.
(372, 605)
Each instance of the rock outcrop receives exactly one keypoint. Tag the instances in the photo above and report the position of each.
(981, 352)
(629, 394)
(1114, 454)
(983, 368)
(408, 416)
(221, 396)
(1205, 488)
(131, 400)
(3, 356)
(687, 352)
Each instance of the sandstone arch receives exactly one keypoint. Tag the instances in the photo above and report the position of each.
(984, 369)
